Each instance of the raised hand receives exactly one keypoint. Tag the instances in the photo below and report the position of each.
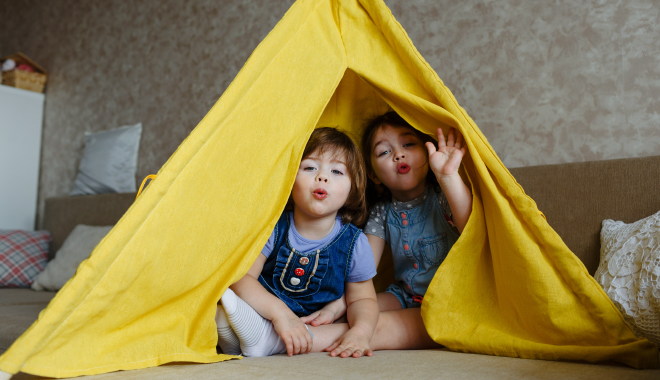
(446, 160)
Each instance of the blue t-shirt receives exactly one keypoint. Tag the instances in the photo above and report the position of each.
(363, 265)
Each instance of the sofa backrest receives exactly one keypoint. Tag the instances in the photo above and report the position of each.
(577, 197)
(62, 214)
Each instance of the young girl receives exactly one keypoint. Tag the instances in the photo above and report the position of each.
(419, 205)
(313, 256)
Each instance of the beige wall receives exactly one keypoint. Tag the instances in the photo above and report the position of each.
(547, 82)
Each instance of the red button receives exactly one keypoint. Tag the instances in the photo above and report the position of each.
(415, 265)
(406, 247)
(299, 271)
(405, 222)
(403, 215)
(409, 287)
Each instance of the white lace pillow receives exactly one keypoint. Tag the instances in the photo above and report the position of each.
(629, 271)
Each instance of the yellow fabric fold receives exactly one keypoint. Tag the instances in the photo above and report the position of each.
(147, 294)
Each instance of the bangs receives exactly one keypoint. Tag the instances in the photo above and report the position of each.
(343, 149)
(339, 153)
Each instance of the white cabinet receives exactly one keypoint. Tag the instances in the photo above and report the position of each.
(21, 118)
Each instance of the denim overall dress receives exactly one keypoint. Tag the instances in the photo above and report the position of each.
(307, 281)
(420, 238)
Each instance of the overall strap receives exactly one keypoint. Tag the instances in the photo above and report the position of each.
(352, 235)
(281, 232)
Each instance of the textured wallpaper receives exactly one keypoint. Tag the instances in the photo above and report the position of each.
(547, 82)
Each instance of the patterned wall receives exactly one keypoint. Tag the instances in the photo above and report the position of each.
(547, 82)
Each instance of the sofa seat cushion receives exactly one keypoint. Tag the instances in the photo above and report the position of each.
(422, 364)
(17, 296)
(19, 308)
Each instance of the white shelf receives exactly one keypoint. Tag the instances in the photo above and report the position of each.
(21, 120)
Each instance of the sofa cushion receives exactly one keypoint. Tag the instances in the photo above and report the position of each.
(629, 271)
(76, 248)
(420, 364)
(19, 308)
(23, 254)
(109, 161)
(16, 296)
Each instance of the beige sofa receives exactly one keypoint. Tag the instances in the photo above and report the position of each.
(574, 197)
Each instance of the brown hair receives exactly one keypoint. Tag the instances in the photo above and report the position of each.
(331, 139)
(380, 193)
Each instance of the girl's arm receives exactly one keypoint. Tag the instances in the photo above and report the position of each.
(445, 162)
(362, 320)
(377, 246)
(286, 323)
(459, 198)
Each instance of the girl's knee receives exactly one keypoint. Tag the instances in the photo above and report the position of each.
(388, 301)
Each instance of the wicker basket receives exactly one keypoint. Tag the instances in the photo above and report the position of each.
(24, 79)
(27, 80)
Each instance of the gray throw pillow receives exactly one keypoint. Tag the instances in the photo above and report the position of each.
(109, 162)
(77, 247)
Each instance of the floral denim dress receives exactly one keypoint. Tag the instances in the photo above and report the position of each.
(307, 281)
(420, 234)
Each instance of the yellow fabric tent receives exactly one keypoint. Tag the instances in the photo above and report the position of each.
(146, 295)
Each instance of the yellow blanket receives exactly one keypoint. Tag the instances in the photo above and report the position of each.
(147, 294)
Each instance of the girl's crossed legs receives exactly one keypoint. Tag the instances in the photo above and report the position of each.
(397, 329)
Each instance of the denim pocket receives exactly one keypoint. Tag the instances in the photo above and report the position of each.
(434, 249)
(300, 275)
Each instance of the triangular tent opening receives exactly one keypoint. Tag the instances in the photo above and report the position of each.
(146, 295)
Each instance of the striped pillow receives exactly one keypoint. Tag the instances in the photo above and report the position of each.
(23, 254)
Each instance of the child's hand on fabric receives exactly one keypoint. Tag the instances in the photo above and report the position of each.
(445, 160)
(294, 333)
(330, 313)
(352, 343)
